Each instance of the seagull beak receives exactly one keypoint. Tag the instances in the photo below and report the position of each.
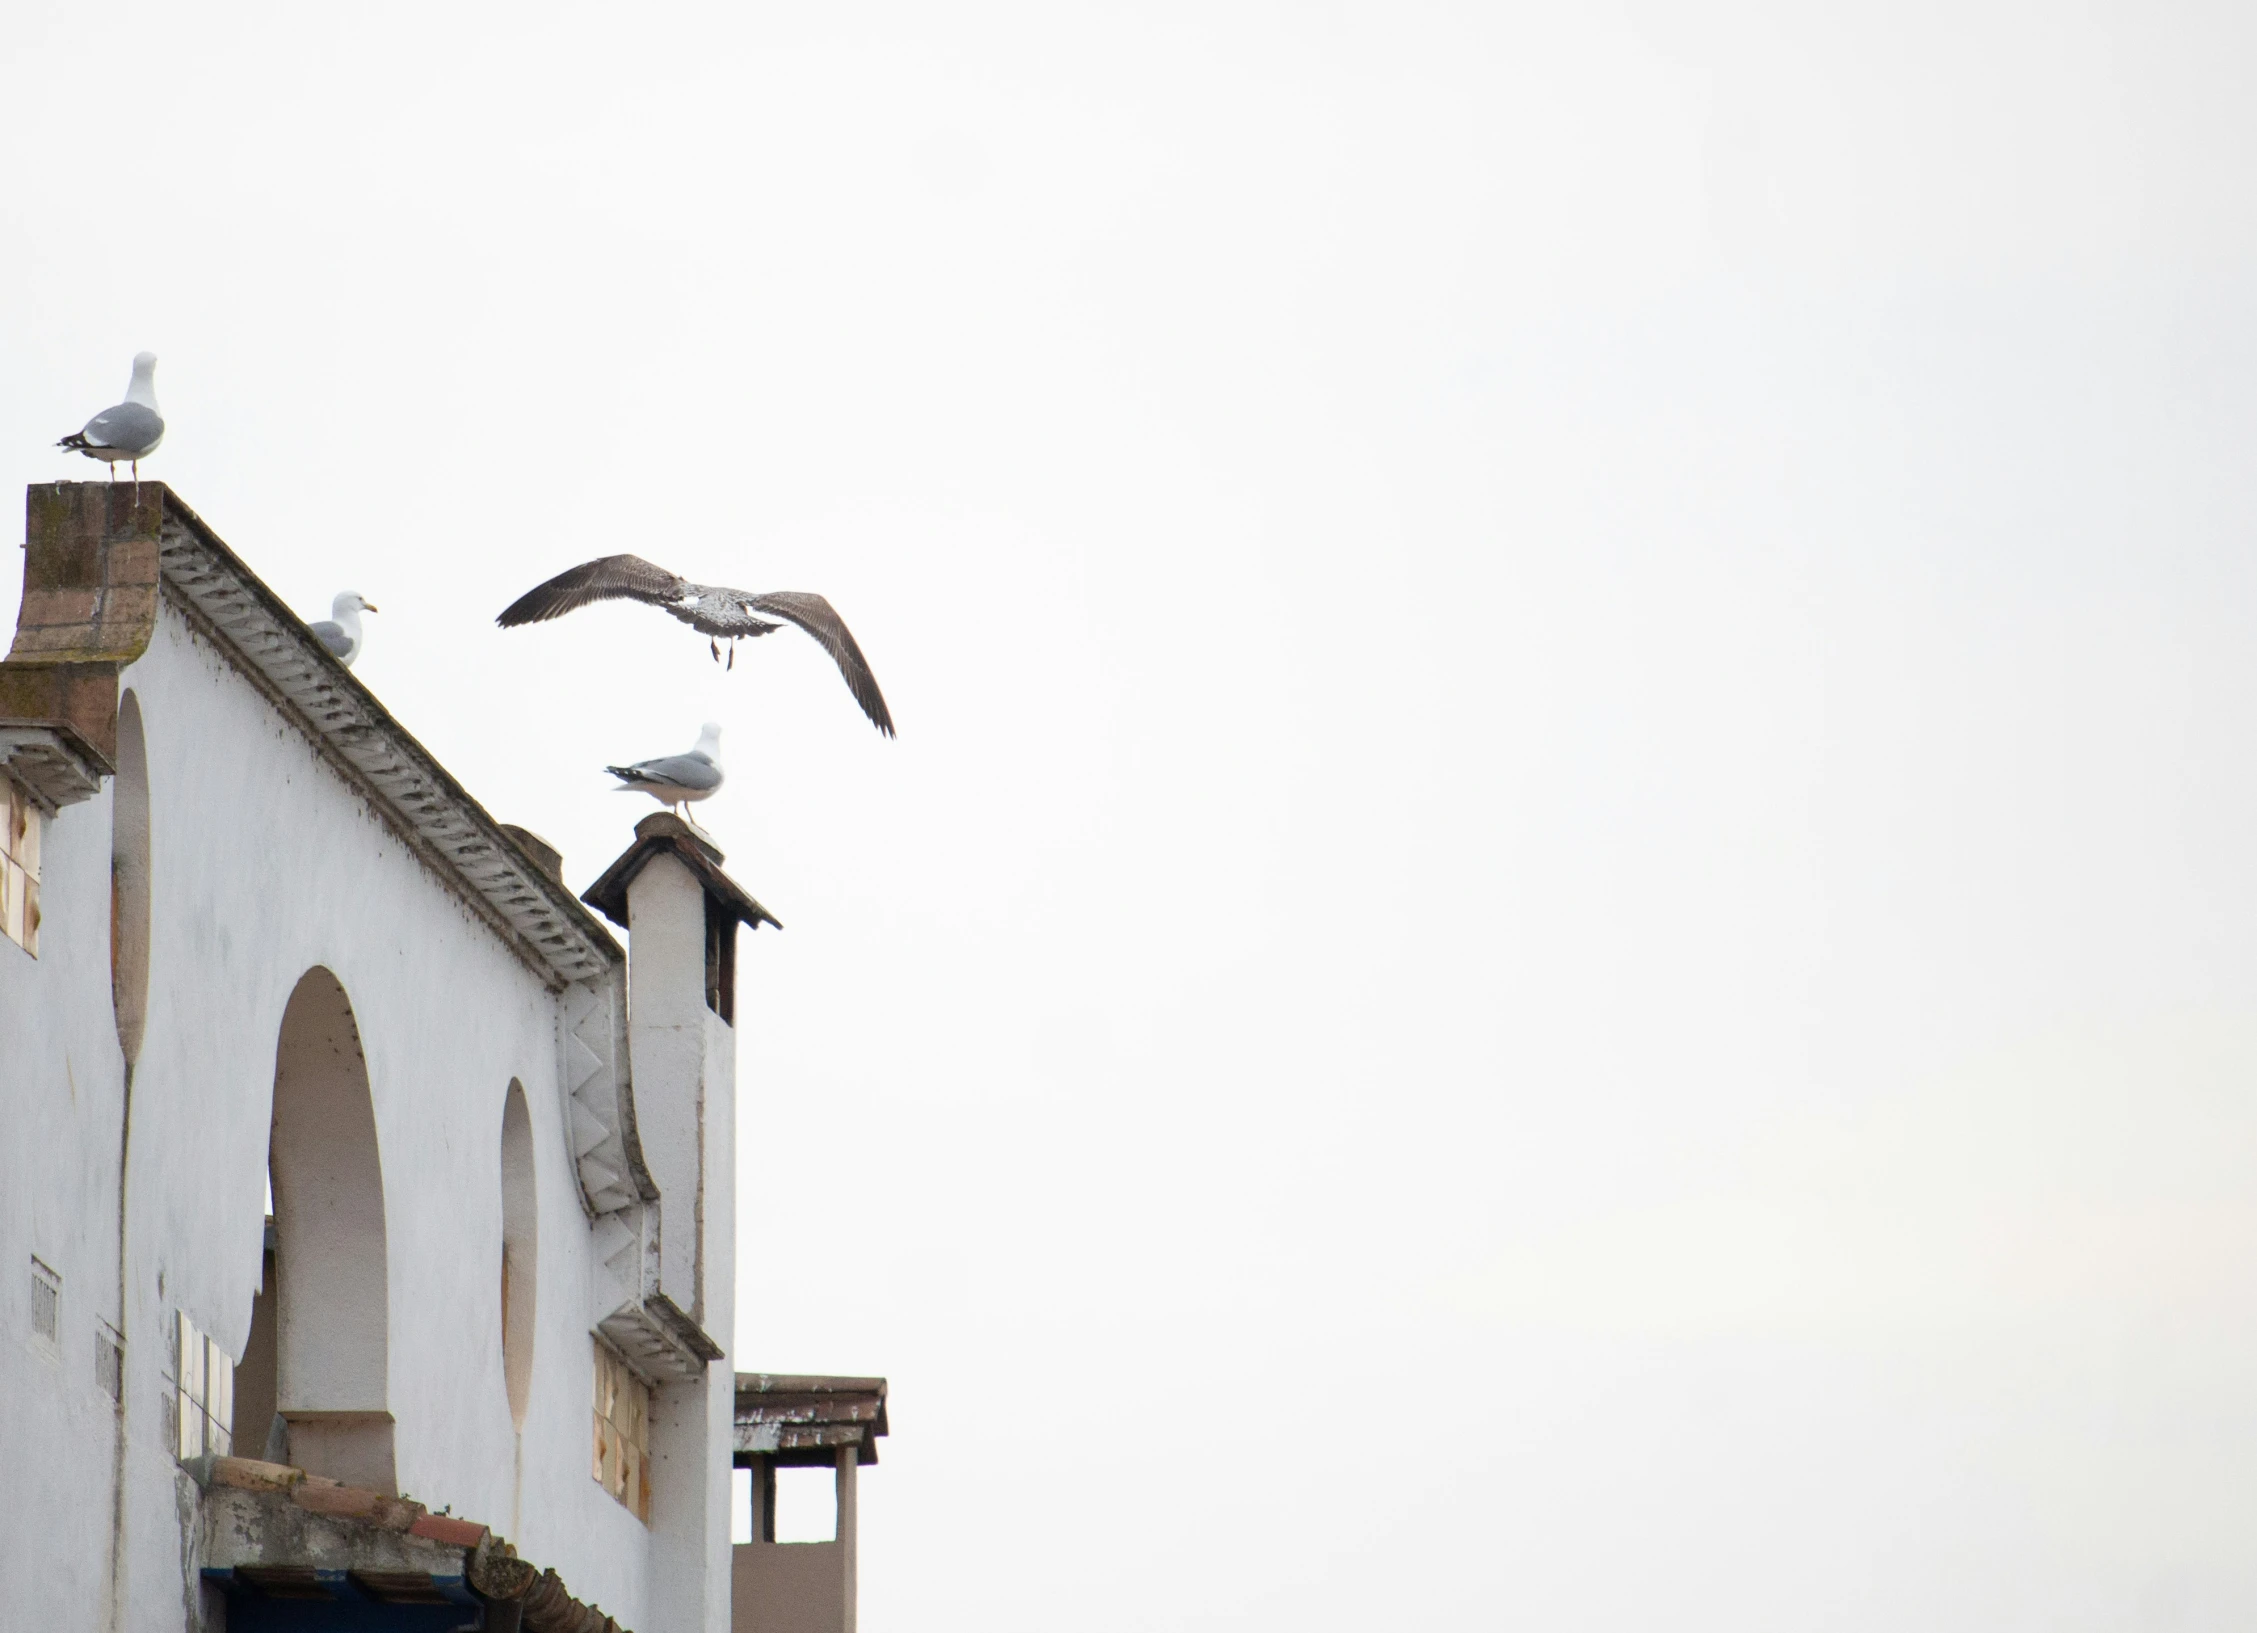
(369, 606)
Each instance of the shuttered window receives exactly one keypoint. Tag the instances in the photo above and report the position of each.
(622, 1452)
(19, 867)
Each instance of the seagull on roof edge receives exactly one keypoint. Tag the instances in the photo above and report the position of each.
(131, 430)
(714, 610)
(340, 631)
(676, 780)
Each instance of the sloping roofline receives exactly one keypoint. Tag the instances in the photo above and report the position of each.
(528, 908)
(88, 608)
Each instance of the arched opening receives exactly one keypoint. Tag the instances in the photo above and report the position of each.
(520, 1251)
(332, 1290)
(129, 879)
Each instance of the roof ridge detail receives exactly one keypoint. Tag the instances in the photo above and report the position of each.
(526, 905)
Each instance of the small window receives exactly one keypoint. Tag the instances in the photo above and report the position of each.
(109, 1361)
(622, 1460)
(720, 962)
(204, 1376)
(19, 867)
(46, 1304)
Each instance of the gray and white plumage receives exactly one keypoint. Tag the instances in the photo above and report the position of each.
(341, 631)
(676, 779)
(131, 430)
(716, 611)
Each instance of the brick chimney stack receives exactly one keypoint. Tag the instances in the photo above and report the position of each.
(89, 608)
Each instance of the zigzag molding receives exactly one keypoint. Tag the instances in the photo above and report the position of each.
(622, 1203)
(599, 1120)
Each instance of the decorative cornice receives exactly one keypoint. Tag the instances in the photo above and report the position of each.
(51, 760)
(658, 1340)
(523, 903)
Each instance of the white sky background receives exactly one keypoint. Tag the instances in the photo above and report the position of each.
(1562, 932)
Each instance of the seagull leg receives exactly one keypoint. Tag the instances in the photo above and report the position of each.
(716, 646)
(732, 655)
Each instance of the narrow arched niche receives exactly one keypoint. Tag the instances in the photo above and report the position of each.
(129, 879)
(520, 1251)
(332, 1363)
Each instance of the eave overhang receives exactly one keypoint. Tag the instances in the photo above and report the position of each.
(801, 1420)
(520, 899)
(664, 834)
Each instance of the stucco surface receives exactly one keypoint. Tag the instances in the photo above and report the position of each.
(688, 1137)
(789, 1587)
(265, 863)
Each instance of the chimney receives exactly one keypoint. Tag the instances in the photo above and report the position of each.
(89, 608)
(681, 914)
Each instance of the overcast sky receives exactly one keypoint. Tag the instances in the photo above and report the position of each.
(1563, 932)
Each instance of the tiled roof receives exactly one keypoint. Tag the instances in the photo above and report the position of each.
(270, 1531)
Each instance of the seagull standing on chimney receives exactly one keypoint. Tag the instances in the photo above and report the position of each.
(676, 780)
(130, 431)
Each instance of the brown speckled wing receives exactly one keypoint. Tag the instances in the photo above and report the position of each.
(821, 620)
(608, 579)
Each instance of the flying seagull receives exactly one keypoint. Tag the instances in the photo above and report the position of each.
(130, 431)
(340, 631)
(677, 779)
(714, 610)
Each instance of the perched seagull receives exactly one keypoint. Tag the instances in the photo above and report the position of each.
(678, 779)
(714, 610)
(130, 431)
(340, 631)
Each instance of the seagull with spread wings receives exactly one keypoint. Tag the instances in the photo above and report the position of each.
(714, 610)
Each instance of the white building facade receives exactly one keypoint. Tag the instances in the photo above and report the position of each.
(253, 933)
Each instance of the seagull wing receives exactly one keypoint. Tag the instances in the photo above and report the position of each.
(132, 428)
(817, 616)
(609, 579)
(692, 771)
(332, 636)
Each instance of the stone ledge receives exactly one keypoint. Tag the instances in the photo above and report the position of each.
(51, 761)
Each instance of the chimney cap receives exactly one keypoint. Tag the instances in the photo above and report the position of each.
(663, 833)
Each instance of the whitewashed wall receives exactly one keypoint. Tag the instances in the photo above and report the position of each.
(266, 863)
